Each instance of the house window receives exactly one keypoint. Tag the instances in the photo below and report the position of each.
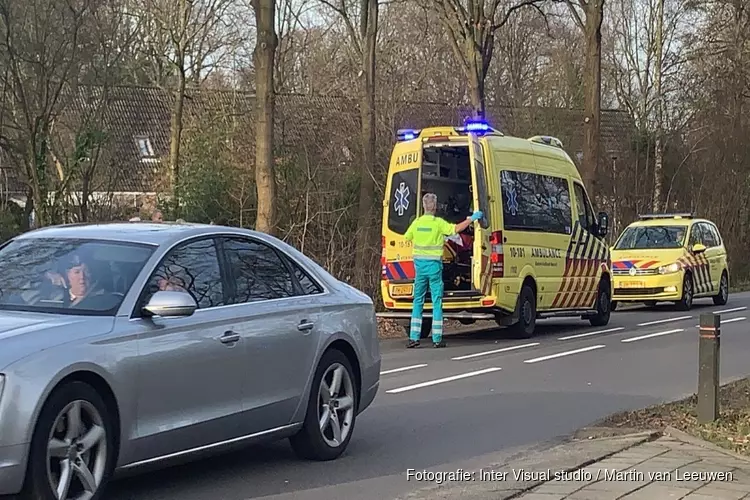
(145, 148)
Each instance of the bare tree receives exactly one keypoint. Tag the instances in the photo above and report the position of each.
(590, 24)
(363, 41)
(472, 25)
(263, 58)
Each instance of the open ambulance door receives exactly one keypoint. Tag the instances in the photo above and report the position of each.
(481, 272)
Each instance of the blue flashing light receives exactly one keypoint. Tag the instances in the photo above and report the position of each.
(478, 127)
(407, 134)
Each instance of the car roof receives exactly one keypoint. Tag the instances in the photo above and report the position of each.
(149, 233)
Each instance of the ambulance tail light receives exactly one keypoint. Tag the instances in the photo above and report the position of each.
(497, 257)
(382, 259)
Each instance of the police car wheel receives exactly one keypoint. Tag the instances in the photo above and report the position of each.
(723, 296)
(526, 324)
(603, 302)
(687, 294)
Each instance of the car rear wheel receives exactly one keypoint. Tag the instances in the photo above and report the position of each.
(723, 296)
(526, 324)
(72, 450)
(331, 410)
(686, 303)
(603, 301)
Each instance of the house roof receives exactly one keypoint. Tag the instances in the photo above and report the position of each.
(136, 118)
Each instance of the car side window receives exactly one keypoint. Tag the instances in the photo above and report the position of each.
(696, 235)
(715, 231)
(259, 271)
(306, 283)
(194, 268)
(585, 214)
(710, 237)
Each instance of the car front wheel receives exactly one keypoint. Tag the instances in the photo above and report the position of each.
(72, 450)
(686, 303)
(331, 410)
(722, 297)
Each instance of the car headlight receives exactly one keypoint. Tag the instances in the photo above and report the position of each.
(671, 268)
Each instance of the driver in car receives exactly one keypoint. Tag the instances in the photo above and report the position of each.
(76, 279)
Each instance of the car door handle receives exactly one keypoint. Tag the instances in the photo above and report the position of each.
(229, 337)
(305, 325)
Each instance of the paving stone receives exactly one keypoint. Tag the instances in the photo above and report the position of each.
(561, 487)
(729, 485)
(722, 493)
(541, 496)
(621, 486)
(657, 491)
(585, 494)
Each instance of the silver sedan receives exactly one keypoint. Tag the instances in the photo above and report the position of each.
(130, 344)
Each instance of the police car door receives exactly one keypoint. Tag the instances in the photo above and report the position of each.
(481, 274)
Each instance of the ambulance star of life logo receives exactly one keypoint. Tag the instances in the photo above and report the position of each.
(402, 199)
(513, 201)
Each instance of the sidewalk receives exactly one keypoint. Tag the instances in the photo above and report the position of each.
(632, 467)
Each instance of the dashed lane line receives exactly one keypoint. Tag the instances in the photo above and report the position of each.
(727, 311)
(651, 335)
(403, 369)
(564, 353)
(442, 380)
(589, 334)
(666, 320)
(731, 320)
(495, 351)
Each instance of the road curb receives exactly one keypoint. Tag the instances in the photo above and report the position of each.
(696, 441)
(538, 456)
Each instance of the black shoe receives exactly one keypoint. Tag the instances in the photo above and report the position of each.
(439, 344)
(412, 344)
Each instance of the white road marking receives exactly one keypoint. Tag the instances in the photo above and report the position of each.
(442, 380)
(588, 334)
(565, 353)
(650, 335)
(731, 320)
(726, 311)
(403, 369)
(487, 353)
(660, 321)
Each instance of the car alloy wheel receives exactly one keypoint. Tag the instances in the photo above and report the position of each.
(336, 405)
(724, 287)
(77, 452)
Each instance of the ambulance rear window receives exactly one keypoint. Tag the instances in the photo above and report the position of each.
(403, 199)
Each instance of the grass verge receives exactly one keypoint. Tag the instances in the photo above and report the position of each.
(730, 431)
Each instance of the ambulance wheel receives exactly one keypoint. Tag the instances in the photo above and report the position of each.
(723, 296)
(686, 303)
(526, 324)
(613, 305)
(603, 302)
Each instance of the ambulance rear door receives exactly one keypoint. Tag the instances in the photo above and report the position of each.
(481, 274)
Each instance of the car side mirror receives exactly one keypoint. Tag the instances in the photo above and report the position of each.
(171, 304)
(602, 221)
(698, 248)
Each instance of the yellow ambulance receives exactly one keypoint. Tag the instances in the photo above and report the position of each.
(670, 258)
(537, 253)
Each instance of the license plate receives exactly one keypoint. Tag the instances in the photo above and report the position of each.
(402, 290)
(632, 284)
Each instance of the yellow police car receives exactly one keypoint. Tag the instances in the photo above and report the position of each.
(670, 258)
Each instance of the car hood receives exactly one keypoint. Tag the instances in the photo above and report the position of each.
(646, 258)
(22, 334)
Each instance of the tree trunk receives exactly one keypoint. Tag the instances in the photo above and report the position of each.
(263, 57)
(175, 139)
(476, 92)
(659, 140)
(592, 84)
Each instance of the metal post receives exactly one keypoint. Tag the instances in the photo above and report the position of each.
(708, 368)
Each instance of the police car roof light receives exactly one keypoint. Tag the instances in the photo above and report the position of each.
(407, 134)
(686, 215)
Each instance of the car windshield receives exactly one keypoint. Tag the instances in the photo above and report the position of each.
(651, 237)
(68, 276)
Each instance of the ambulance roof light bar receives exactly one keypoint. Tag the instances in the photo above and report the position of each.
(407, 134)
(477, 126)
(547, 140)
(686, 215)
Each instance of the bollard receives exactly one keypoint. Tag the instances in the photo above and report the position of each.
(708, 367)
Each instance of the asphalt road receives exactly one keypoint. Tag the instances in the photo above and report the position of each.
(464, 406)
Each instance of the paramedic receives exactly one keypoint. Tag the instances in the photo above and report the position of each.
(428, 233)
